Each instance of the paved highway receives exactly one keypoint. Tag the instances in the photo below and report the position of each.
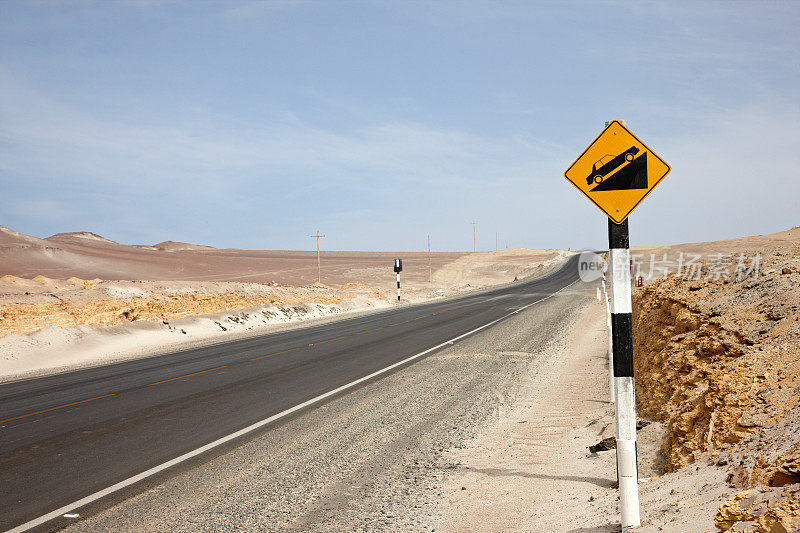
(73, 436)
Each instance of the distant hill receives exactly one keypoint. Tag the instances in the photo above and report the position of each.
(81, 237)
(87, 255)
(171, 246)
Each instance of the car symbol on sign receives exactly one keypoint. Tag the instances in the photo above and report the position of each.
(599, 173)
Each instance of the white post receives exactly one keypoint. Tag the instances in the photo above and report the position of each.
(625, 399)
(610, 345)
(398, 286)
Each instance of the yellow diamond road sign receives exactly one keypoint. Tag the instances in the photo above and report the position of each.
(617, 171)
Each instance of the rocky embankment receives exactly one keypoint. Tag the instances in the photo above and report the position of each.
(30, 305)
(49, 325)
(718, 362)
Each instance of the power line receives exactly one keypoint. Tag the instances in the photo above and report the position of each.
(430, 270)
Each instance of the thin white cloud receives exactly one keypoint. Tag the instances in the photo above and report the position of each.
(258, 10)
(81, 146)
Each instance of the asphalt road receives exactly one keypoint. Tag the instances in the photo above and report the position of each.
(70, 435)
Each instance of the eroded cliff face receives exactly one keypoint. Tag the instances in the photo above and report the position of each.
(690, 374)
(718, 361)
(73, 302)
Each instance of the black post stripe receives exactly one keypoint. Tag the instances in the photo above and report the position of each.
(621, 323)
(398, 284)
(622, 342)
(618, 234)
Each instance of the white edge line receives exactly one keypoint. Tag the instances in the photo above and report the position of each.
(249, 429)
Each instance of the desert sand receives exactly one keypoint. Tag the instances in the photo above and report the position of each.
(77, 299)
(88, 256)
(652, 262)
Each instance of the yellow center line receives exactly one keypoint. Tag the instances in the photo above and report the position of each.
(189, 375)
(369, 330)
(329, 340)
(276, 353)
(54, 408)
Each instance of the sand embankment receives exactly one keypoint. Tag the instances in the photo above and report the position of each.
(718, 362)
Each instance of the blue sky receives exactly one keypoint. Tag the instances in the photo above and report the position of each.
(252, 125)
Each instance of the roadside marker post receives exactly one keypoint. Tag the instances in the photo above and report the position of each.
(616, 172)
(398, 267)
(611, 387)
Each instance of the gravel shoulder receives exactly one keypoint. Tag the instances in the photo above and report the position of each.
(529, 468)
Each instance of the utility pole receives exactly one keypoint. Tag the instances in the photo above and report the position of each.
(319, 271)
(496, 234)
(474, 249)
(430, 270)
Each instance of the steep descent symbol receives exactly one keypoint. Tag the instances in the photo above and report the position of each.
(616, 171)
(619, 173)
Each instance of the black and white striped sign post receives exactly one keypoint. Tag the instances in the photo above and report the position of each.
(624, 394)
(398, 267)
(616, 172)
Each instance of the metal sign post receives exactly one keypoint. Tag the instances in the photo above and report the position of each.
(616, 172)
(398, 267)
